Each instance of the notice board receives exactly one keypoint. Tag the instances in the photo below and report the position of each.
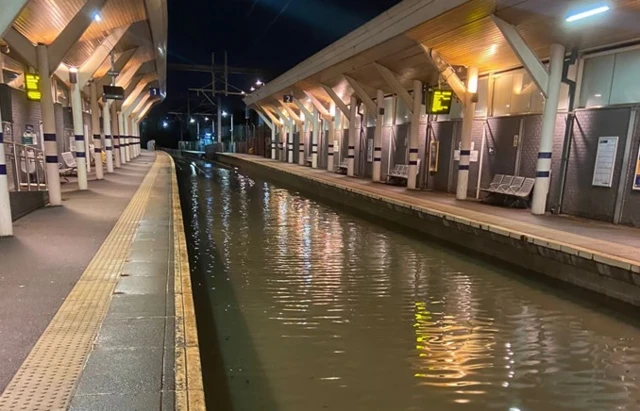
(605, 161)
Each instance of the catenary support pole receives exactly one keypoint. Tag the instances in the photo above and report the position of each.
(78, 130)
(49, 127)
(95, 125)
(543, 167)
(303, 134)
(315, 131)
(467, 126)
(377, 137)
(414, 135)
(290, 141)
(123, 139)
(115, 134)
(108, 138)
(6, 225)
(353, 129)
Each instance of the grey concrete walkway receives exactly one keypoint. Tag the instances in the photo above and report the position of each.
(48, 254)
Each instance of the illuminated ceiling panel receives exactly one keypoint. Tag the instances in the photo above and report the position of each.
(41, 21)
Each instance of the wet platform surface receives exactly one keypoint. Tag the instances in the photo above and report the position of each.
(614, 241)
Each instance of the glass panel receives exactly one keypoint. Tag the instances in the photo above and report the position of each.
(402, 115)
(502, 90)
(596, 81)
(388, 111)
(483, 92)
(625, 85)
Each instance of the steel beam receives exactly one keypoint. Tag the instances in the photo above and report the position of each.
(391, 79)
(319, 106)
(336, 100)
(361, 93)
(448, 74)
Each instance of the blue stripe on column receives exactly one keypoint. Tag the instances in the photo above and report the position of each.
(543, 174)
(3, 169)
(377, 149)
(79, 138)
(116, 145)
(81, 154)
(330, 154)
(108, 137)
(97, 150)
(109, 148)
(96, 136)
(49, 137)
(413, 163)
(51, 159)
(1, 138)
(544, 155)
(465, 152)
(330, 145)
(377, 159)
(413, 151)
(351, 148)
(301, 144)
(351, 156)
(314, 145)
(463, 167)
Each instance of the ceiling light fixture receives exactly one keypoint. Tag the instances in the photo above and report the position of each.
(588, 13)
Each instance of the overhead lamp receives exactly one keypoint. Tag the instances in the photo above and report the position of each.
(242, 92)
(97, 17)
(193, 120)
(165, 124)
(259, 83)
(224, 114)
(206, 119)
(253, 89)
(599, 9)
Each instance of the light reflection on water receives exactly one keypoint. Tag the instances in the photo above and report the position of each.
(316, 310)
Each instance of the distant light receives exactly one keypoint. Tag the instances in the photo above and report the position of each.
(97, 17)
(597, 95)
(193, 120)
(165, 124)
(589, 13)
(493, 49)
(224, 114)
(259, 83)
(206, 119)
(161, 51)
(73, 69)
(253, 89)
(242, 92)
(308, 100)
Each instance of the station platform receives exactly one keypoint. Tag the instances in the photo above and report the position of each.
(595, 255)
(96, 311)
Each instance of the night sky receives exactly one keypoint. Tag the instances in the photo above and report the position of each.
(272, 35)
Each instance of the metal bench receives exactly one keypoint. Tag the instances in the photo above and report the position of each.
(398, 172)
(309, 161)
(343, 167)
(511, 190)
(69, 166)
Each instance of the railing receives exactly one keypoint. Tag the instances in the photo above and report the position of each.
(191, 146)
(26, 167)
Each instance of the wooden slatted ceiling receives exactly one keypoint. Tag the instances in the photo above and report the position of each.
(467, 36)
(41, 21)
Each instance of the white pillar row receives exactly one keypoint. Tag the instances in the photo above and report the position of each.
(78, 130)
(377, 138)
(414, 135)
(543, 167)
(351, 149)
(315, 131)
(283, 139)
(467, 126)
(95, 125)
(290, 141)
(123, 139)
(108, 138)
(49, 127)
(115, 134)
(303, 134)
(6, 225)
(274, 136)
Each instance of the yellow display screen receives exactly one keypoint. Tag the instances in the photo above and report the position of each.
(31, 84)
(441, 101)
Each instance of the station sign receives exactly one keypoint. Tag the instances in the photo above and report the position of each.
(440, 101)
(154, 92)
(287, 98)
(113, 93)
(31, 82)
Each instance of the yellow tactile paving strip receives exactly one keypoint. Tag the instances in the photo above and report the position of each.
(47, 377)
(189, 388)
(614, 254)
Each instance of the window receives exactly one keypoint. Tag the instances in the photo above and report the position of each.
(596, 81)
(515, 92)
(483, 90)
(402, 114)
(388, 111)
(625, 83)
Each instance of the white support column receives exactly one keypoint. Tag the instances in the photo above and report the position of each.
(414, 136)
(292, 129)
(351, 148)
(78, 130)
(467, 126)
(315, 131)
(332, 144)
(6, 225)
(95, 125)
(123, 140)
(303, 133)
(274, 136)
(377, 138)
(115, 134)
(108, 138)
(49, 127)
(543, 167)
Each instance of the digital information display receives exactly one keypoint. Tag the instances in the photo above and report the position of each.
(31, 82)
(441, 102)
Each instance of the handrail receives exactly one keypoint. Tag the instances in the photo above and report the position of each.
(27, 167)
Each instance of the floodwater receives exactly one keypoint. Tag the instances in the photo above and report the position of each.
(304, 307)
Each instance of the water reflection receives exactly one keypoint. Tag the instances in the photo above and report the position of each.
(319, 310)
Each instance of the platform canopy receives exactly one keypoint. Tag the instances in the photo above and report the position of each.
(462, 32)
(88, 35)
